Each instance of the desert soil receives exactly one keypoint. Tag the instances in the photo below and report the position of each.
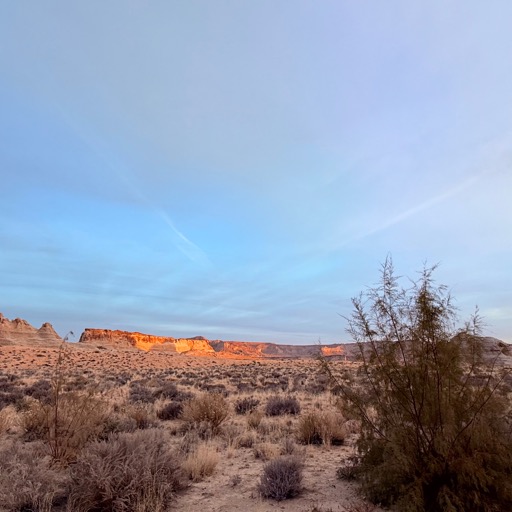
(233, 486)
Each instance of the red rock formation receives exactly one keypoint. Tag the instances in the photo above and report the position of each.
(124, 339)
(20, 332)
(201, 346)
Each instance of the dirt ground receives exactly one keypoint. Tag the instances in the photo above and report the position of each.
(233, 485)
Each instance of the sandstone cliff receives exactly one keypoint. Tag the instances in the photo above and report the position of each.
(20, 332)
(201, 346)
(124, 339)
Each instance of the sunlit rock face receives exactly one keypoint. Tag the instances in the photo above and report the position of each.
(333, 350)
(201, 346)
(124, 339)
(20, 332)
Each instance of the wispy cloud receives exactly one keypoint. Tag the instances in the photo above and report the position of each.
(193, 252)
(186, 246)
(123, 175)
(425, 205)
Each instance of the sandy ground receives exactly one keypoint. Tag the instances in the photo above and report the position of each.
(234, 484)
(322, 490)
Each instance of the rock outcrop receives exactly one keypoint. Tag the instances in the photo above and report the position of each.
(199, 345)
(20, 332)
(124, 339)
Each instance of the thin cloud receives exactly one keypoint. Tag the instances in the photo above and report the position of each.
(193, 252)
(123, 175)
(186, 246)
(426, 205)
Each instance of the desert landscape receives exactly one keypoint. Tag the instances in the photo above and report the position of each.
(218, 413)
(201, 204)
(265, 402)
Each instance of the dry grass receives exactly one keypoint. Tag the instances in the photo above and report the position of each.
(201, 462)
(254, 419)
(128, 472)
(266, 451)
(66, 425)
(27, 481)
(321, 428)
(231, 461)
(6, 419)
(208, 409)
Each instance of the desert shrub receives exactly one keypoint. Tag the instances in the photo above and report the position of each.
(319, 385)
(349, 469)
(189, 442)
(142, 416)
(208, 409)
(27, 480)
(170, 411)
(128, 472)
(170, 391)
(214, 388)
(76, 383)
(230, 434)
(245, 440)
(7, 379)
(69, 419)
(115, 423)
(266, 451)
(66, 424)
(434, 417)
(321, 428)
(140, 394)
(41, 390)
(288, 446)
(201, 461)
(244, 387)
(10, 394)
(246, 405)
(282, 478)
(6, 415)
(278, 406)
(254, 419)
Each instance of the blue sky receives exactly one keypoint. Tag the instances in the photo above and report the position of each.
(240, 170)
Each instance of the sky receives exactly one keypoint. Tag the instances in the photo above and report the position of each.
(240, 170)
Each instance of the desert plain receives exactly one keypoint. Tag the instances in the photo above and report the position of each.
(269, 408)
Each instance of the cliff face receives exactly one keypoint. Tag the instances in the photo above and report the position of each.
(20, 332)
(202, 346)
(124, 339)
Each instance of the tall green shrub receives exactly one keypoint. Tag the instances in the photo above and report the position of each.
(436, 424)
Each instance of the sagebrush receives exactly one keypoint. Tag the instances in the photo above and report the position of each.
(127, 472)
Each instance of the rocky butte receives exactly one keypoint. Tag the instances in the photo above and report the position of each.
(202, 346)
(20, 332)
(125, 339)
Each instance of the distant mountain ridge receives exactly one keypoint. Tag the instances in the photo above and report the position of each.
(20, 332)
(199, 345)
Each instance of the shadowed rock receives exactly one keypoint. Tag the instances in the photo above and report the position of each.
(20, 332)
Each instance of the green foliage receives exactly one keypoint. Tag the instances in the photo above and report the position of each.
(436, 429)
